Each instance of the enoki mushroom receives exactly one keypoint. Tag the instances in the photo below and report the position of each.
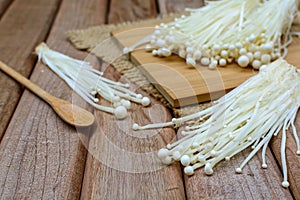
(248, 32)
(248, 116)
(88, 82)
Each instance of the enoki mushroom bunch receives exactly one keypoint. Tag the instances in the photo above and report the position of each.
(88, 82)
(248, 32)
(248, 116)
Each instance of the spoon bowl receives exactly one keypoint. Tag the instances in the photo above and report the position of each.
(72, 114)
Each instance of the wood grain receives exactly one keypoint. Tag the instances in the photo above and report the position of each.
(187, 85)
(172, 6)
(20, 31)
(293, 160)
(42, 157)
(68, 112)
(122, 163)
(184, 85)
(131, 10)
(254, 182)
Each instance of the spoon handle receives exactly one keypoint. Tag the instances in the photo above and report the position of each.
(70, 113)
(27, 83)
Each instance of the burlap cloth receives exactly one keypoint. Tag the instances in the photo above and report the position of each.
(111, 52)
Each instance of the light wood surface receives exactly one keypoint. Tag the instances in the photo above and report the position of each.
(186, 85)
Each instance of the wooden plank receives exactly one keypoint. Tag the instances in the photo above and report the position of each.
(253, 183)
(185, 85)
(172, 6)
(3, 5)
(41, 157)
(131, 10)
(293, 160)
(122, 163)
(20, 31)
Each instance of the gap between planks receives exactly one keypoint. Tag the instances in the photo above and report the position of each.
(112, 174)
(255, 186)
(20, 32)
(4, 4)
(41, 157)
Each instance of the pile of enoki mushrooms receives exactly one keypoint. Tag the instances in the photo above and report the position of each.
(255, 33)
(247, 32)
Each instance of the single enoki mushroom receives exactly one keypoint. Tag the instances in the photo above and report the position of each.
(248, 116)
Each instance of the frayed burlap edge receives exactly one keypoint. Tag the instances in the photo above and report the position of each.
(110, 51)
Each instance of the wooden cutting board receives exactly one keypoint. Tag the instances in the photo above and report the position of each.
(183, 85)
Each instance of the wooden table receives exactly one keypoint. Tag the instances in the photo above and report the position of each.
(41, 157)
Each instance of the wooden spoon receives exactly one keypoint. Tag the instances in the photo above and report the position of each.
(70, 113)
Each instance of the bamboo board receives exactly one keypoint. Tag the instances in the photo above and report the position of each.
(183, 85)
